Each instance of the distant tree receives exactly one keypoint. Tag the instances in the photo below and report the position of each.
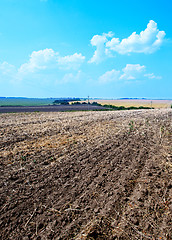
(61, 102)
(76, 103)
(65, 101)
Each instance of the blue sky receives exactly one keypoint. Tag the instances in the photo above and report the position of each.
(74, 48)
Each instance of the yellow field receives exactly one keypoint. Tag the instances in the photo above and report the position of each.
(137, 103)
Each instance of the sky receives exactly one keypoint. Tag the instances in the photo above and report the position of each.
(75, 48)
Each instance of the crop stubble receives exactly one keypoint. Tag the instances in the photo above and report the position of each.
(86, 175)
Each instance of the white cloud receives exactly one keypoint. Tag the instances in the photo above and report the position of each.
(109, 76)
(132, 71)
(8, 72)
(99, 42)
(152, 76)
(39, 60)
(129, 72)
(6, 68)
(70, 77)
(71, 61)
(43, 65)
(148, 41)
(48, 59)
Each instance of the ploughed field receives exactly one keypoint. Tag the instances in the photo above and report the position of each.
(48, 108)
(86, 175)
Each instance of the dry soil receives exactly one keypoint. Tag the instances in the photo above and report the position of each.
(86, 175)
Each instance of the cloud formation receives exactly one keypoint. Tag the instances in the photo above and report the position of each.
(110, 76)
(6, 68)
(8, 72)
(148, 41)
(132, 71)
(70, 77)
(40, 60)
(129, 72)
(49, 59)
(71, 61)
(101, 51)
(152, 76)
(43, 65)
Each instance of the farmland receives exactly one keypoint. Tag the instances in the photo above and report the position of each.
(58, 108)
(137, 103)
(25, 101)
(86, 175)
(118, 102)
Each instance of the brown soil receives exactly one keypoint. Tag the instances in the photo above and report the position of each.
(86, 175)
(48, 108)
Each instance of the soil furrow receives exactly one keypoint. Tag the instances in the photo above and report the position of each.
(97, 176)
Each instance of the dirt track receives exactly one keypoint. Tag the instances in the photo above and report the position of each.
(86, 175)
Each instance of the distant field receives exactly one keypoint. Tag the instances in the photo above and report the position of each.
(137, 103)
(25, 101)
(121, 102)
(45, 108)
